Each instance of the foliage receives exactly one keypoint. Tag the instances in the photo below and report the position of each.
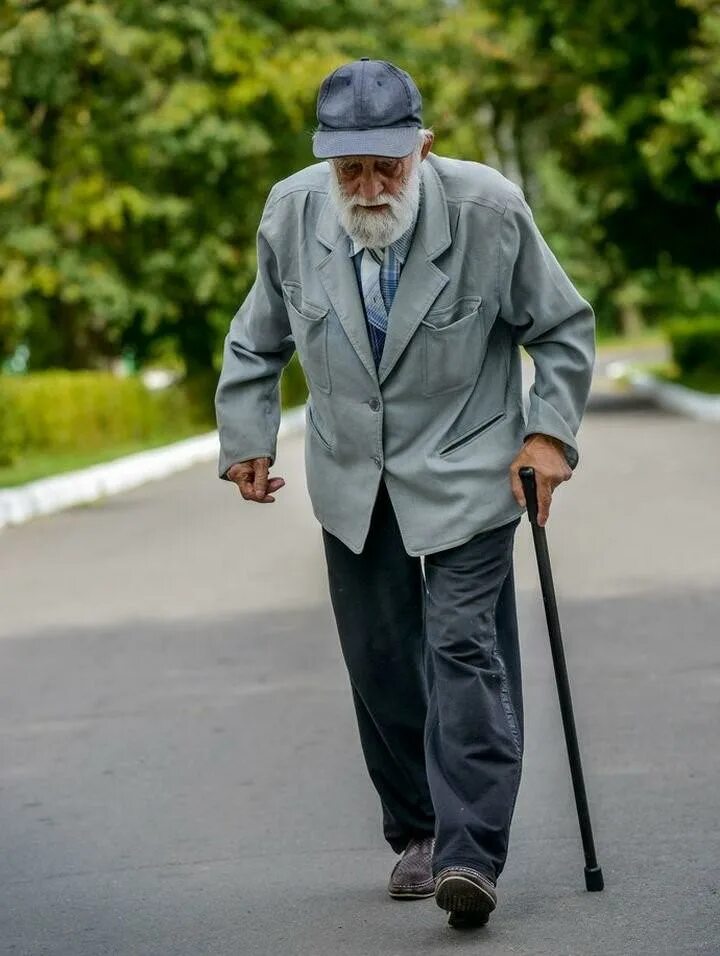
(695, 344)
(136, 149)
(603, 76)
(293, 388)
(684, 148)
(58, 411)
(55, 412)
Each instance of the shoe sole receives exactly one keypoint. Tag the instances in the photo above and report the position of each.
(458, 921)
(412, 894)
(458, 894)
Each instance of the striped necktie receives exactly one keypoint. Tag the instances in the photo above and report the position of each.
(375, 307)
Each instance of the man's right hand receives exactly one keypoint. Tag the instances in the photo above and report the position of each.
(251, 477)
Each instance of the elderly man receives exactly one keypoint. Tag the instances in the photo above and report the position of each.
(407, 282)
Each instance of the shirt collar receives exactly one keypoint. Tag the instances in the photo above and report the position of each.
(401, 246)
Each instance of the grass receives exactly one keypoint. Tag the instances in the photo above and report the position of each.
(706, 381)
(33, 467)
(651, 336)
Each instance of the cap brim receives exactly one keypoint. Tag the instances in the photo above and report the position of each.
(380, 141)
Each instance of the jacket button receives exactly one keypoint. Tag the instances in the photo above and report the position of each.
(378, 462)
(374, 404)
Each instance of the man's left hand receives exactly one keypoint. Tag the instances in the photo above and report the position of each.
(546, 456)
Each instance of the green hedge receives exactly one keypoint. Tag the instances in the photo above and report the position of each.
(61, 411)
(58, 411)
(695, 344)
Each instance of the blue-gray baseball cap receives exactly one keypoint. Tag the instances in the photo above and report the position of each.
(367, 107)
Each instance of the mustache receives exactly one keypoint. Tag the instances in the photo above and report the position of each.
(384, 199)
(380, 201)
(392, 201)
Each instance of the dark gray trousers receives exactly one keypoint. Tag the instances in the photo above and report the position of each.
(434, 667)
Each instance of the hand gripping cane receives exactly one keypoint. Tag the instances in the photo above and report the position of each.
(593, 873)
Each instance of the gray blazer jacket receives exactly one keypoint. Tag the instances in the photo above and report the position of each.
(442, 418)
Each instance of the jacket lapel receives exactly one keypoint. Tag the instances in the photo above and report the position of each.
(421, 281)
(337, 275)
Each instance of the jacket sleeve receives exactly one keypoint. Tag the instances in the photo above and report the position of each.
(551, 320)
(258, 346)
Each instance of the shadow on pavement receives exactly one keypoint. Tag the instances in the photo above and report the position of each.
(197, 788)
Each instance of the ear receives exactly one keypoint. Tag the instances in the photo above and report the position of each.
(427, 145)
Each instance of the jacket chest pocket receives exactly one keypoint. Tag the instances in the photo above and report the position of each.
(309, 327)
(453, 346)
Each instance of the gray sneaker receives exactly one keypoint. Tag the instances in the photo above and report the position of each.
(468, 895)
(412, 878)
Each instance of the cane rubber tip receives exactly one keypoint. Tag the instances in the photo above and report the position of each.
(594, 879)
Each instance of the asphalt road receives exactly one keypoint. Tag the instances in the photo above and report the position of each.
(181, 773)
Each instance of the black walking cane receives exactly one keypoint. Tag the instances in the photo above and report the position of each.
(593, 874)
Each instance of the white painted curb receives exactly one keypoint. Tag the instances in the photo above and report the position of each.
(668, 395)
(78, 487)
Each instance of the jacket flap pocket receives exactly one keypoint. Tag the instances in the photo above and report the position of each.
(462, 308)
(294, 297)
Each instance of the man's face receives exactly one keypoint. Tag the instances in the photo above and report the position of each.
(368, 178)
(377, 196)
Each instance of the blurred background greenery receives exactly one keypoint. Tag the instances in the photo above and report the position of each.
(138, 142)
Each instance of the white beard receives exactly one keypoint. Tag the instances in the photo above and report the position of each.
(378, 229)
